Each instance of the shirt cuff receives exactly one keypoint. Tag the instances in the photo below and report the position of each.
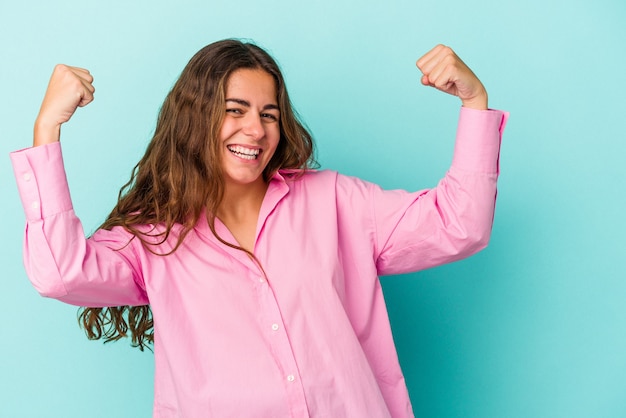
(41, 181)
(478, 139)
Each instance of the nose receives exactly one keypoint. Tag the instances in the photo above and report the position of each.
(253, 126)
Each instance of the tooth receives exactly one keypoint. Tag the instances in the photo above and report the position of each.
(248, 153)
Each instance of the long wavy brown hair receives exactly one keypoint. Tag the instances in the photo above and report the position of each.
(179, 178)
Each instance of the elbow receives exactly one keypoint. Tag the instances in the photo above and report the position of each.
(474, 226)
(44, 277)
(474, 241)
(480, 241)
(46, 286)
(466, 239)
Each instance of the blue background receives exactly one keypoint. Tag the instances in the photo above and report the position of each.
(534, 326)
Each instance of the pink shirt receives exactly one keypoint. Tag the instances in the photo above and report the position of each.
(311, 337)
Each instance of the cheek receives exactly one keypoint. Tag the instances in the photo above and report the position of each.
(274, 134)
(227, 130)
(275, 141)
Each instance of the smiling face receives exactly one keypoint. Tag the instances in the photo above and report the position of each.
(251, 129)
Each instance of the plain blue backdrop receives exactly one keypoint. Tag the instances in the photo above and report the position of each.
(534, 326)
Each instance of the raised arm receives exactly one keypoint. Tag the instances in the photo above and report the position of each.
(60, 262)
(453, 220)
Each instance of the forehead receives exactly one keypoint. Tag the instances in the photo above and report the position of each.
(251, 83)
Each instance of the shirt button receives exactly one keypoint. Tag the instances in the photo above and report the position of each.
(274, 327)
(261, 280)
(27, 177)
(35, 205)
(291, 378)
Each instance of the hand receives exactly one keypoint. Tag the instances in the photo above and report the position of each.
(445, 71)
(68, 89)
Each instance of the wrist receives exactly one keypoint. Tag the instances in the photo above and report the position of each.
(45, 132)
(478, 102)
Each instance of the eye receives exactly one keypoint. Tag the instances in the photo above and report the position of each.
(269, 117)
(234, 110)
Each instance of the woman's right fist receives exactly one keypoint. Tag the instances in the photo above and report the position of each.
(69, 88)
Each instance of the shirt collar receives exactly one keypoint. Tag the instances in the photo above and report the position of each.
(278, 188)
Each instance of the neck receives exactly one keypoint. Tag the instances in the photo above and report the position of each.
(241, 201)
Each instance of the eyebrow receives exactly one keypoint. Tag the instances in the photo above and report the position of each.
(247, 104)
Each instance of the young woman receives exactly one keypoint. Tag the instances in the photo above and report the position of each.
(255, 277)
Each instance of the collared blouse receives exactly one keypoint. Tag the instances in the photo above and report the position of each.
(306, 335)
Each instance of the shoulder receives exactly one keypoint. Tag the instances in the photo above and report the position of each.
(320, 176)
(320, 183)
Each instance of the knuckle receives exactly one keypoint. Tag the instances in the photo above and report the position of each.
(450, 61)
(60, 68)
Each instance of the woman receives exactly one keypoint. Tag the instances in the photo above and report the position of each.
(261, 274)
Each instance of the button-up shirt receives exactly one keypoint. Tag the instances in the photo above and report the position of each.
(306, 335)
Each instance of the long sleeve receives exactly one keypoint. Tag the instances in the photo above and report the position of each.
(60, 262)
(453, 220)
(419, 230)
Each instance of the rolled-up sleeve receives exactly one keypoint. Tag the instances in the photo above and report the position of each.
(60, 262)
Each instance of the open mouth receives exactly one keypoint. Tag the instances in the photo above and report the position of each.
(245, 153)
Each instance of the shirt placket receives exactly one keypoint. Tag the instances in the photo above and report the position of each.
(271, 320)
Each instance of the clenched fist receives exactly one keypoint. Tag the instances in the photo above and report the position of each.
(68, 89)
(445, 71)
